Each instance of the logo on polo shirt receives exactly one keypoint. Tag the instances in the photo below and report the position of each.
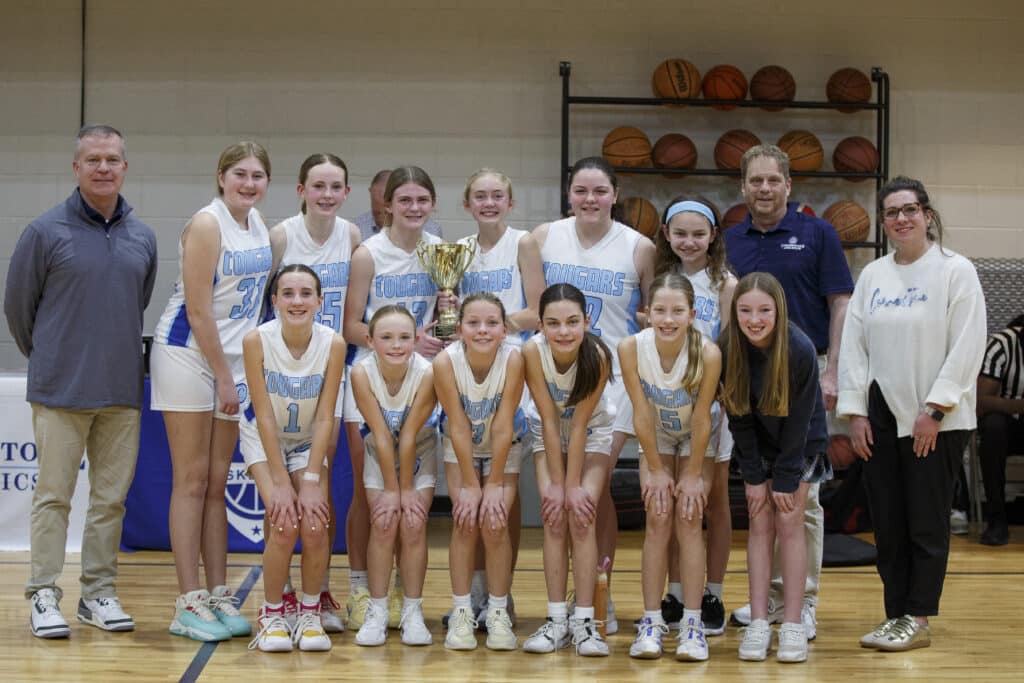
(793, 244)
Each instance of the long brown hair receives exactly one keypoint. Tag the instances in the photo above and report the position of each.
(665, 259)
(694, 339)
(594, 355)
(774, 398)
(315, 160)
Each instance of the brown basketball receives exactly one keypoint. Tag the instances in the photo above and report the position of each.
(840, 451)
(855, 155)
(734, 216)
(850, 220)
(640, 214)
(676, 78)
(848, 85)
(674, 150)
(804, 150)
(773, 83)
(730, 148)
(627, 146)
(724, 82)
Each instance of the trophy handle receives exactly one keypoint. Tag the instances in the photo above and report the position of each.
(421, 250)
(468, 253)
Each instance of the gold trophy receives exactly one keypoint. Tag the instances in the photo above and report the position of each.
(445, 263)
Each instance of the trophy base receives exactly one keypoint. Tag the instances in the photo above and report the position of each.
(445, 330)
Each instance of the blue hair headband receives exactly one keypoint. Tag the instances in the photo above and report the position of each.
(695, 207)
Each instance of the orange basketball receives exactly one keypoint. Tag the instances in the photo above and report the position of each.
(627, 146)
(840, 451)
(676, 78)
(731, 147)
(724, 82)
(848, 85)
(773, 83)
(734, 216)
(674, 150)
(850, 220)
(855, 155)
(640, 214)
(804, 150)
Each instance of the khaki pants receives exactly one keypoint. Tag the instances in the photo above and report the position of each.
(110, 438)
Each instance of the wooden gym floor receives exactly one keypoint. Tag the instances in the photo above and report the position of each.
(976, 637)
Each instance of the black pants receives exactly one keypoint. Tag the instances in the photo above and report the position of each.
(910, 499)
(999, 434)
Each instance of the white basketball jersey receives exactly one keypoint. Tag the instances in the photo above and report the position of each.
(706, 302)
(480, 401)
(672, 404)
(330, 261)
(238, 284)
(560, 386)
(294, 384)
(605, 273)
(497, 272)
(395, 409)
(399, 279)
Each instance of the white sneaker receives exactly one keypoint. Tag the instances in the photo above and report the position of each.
(46, 620)
(374, 630)
(104, 613)
(647, 644)
(461, 625)
(309, 633)
(809, 618)
(958, 522)
(611, 624)
(741, 616)
(552, 635)
(792, 643)
(414, 631)
(587, 639)
(329, 618)
(274, 634)
(693, 647)
(757, 638)
(499, 630)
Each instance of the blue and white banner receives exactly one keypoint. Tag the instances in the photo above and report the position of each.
(19, 468)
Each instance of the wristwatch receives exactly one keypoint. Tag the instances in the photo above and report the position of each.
(934, 414)
(311, 476)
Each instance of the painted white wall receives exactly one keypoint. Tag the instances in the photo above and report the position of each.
(452, 85)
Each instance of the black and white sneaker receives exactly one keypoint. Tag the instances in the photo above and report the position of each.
(104, 613)
(671, 612)
(712, 614)
(46, 620)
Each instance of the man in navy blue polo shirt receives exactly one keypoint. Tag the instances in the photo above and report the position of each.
(803, 252)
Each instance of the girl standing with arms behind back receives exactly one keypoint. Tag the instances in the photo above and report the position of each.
(777, 419)
(567, 368)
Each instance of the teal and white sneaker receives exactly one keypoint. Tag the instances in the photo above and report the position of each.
(194, 619)
(224, 606)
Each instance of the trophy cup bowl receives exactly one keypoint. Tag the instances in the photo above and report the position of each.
(445, 263)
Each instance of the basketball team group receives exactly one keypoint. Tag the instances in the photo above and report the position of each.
(559, 344)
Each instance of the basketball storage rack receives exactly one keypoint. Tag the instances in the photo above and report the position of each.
(880, 106)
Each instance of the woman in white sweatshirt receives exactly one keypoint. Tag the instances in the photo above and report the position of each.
(912, 347)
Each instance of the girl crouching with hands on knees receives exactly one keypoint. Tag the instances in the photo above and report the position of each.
(393, 388)
(567, 368)
(777, 419)
(479, 381)
(293, 368)
(671, 373)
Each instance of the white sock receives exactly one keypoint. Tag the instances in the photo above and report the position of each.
(462, 601)
(276, 606)
(380, 603)
(558, 611)
(357, 579)
(654, 615)
(584, 613)
(715, 589)
(690, 614)
(310, 600)
(497, 601)
(412, 604)
(675, 589)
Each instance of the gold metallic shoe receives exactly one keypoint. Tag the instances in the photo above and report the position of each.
(872, 639)
(905, 634)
